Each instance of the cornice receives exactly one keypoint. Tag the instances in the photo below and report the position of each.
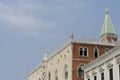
(94, 73)
(81, 59)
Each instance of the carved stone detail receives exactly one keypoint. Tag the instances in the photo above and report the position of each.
(118, 61)
(109, 65)
(87, 75)
(101, 69)
(94, 73)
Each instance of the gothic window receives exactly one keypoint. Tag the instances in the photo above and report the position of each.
(49, 76)
(111, 74)
(85, 51)
(65, 72)
(80, 71)
(96, 52)
(81, 51)
(56, 75)
(102, 76)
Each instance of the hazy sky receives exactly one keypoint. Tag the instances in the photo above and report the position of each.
(27, 26)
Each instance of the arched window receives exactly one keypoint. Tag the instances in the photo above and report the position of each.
(96, 53)
(49, 76)
(80, 72)
(81, 51)
(56, 75)
(85, 52)
(39, 78)
(66, 72)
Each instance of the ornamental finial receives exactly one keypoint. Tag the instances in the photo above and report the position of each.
(45, 54)
(71, 36)
(106, 10)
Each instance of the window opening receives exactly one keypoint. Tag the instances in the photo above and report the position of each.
(96, 52)
(81, 51)
(85, 51)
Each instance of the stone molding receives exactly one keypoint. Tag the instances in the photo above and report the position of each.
(87, 76)
(101, 69)
(94, 73)
(118, 60)
(109, 65)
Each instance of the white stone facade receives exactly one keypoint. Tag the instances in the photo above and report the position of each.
(103, 67)
(55, 66)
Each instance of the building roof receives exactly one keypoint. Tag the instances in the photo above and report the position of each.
(108, 27)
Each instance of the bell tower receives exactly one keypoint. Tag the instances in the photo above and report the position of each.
(108, 34)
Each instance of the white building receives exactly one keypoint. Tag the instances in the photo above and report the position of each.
(106, 67)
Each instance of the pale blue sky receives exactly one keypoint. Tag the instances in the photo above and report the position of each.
(27, 26)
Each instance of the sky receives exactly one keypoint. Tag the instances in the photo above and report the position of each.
(27, 26)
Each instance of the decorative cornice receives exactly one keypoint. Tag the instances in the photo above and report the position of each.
(109, 65)
(35, 69)
(93, 42)
(81, 59)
